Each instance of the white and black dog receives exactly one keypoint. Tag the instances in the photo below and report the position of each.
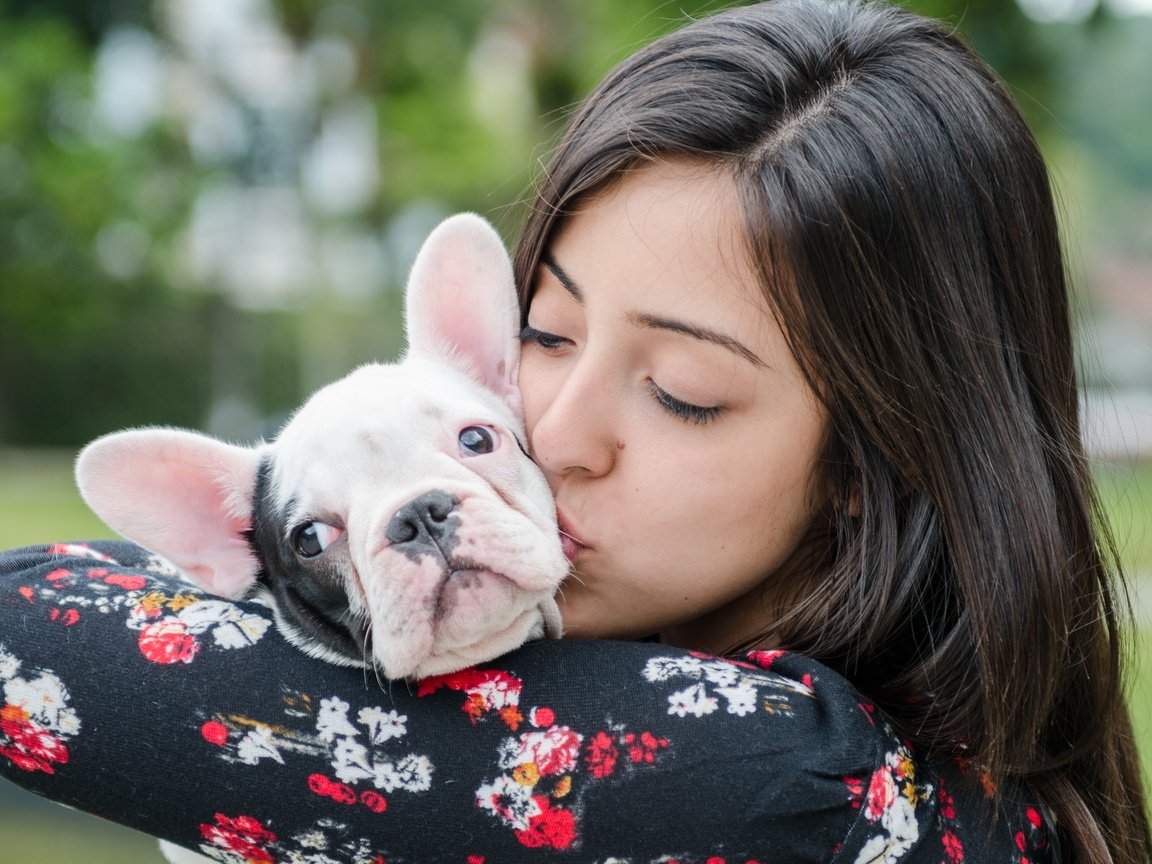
(396, 521)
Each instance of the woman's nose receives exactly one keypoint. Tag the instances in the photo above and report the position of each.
(573, 433)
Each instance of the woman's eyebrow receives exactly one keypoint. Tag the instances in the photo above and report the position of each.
(656, 322)
(563, 278)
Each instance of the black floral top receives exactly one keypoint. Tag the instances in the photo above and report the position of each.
(129, 694)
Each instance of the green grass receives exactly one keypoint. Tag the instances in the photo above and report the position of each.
(52, 835)
(39, 504)
(1126, 493)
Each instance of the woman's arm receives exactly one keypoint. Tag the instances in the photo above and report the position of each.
(132, 695)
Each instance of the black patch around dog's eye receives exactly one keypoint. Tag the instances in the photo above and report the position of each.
(308, 593)
(477, 440)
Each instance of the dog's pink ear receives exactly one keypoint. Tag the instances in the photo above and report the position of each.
(185, 496)
(461, 303)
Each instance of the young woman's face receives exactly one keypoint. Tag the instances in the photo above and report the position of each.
(673, 424)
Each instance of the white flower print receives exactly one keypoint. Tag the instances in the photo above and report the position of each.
(741, 699)
(312, 840)
(902, 831)
(162, 567)
(692, 700)
(231, 627)
(44, 699)
(37, 718)
(739, 685)
(299, 857)
(511, 802)
(332, 722)
(721, 674)
(414, 773)
(891, 808)
(350, 761)
(383, 726)
(9, 665)
(353, 761)
(664, 668)
(258, 744)
(242, 631)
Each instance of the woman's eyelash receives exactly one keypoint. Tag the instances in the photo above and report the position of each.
(544, 340)
(697, 414)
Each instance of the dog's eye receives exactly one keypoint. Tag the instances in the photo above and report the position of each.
(312, 538)
(477, 440)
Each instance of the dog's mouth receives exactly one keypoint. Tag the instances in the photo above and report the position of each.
(457, 576)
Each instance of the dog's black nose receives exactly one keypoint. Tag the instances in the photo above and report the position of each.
(425, 525)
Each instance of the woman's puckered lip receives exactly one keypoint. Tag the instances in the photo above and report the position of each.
(569, 535)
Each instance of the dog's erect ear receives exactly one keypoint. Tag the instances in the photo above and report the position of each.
(461, 303)
(185, 496)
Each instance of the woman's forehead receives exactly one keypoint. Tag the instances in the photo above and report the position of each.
(665, 244)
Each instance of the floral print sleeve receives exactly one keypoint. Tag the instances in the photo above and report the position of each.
(129, 694)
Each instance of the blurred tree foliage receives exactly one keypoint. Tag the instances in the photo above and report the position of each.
(100, 327)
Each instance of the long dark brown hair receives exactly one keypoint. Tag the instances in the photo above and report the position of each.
(900, 215)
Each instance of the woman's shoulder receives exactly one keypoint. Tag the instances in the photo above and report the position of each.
(612, 750)
(789, 742)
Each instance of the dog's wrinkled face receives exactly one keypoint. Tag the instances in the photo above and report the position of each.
(399, 522)
(396, 521)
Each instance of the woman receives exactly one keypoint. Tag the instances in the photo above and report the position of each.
(797, 365)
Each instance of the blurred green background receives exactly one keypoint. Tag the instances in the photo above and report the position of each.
(207, 210)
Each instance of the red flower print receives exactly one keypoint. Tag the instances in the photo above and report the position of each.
(168, 642)
(644, 747)
(30, 747)
(552, 827)
(855, 790)
(374, 801)
(214, 732)
(64, 617)
(947, 803)
(882, 794)
(77, 550)
(1034, 817)
(245, 836)
(600, 755)
(338, 792)
(486, 690)
(128, 583)
(60, 578)
(953, 847)
(542, 717)
(553, 751)
(765, 659)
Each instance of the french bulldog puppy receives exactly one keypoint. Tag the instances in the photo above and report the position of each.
(396, 520)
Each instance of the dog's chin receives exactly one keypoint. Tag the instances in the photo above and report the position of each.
(539, 622)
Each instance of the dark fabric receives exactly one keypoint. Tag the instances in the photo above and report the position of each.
(131, 695)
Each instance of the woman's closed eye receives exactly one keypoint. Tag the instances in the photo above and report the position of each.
(698, 414)
(547, 341)
(687, 411)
